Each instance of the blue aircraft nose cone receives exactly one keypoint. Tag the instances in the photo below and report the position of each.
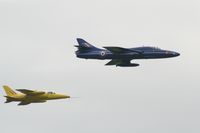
(177, 54)
(174, 54)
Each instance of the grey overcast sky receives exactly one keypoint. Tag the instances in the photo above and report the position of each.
(36, 52)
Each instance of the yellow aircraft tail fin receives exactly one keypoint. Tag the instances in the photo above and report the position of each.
(9, 91)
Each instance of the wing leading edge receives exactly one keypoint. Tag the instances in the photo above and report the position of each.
(30, 92)
(119, 50)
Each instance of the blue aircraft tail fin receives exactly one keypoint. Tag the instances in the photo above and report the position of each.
(83, 45)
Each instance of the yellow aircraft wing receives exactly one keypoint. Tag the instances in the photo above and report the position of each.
(24, 103)
(29, 102)
(30, 92)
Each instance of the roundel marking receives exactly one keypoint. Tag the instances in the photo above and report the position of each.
(103, 53)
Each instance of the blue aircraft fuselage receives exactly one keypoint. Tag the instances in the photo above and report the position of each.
(146, 53)
(121, 56)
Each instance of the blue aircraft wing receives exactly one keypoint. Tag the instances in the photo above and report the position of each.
(122, 63)
(119, 50)
(117, 61)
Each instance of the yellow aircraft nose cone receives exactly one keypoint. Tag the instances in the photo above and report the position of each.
(65, 96)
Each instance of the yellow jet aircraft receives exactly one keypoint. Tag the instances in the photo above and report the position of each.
(30, 96)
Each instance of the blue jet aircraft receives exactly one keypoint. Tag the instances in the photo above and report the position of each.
(121, 56)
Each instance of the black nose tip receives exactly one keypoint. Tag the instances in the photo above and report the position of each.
(177, 54)
(174, 54)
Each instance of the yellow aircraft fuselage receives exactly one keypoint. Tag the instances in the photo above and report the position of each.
(46, 96)
(31, 96)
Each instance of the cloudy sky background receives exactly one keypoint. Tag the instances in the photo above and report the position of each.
(36, 52)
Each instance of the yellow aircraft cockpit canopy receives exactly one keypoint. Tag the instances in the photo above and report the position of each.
(51, 92)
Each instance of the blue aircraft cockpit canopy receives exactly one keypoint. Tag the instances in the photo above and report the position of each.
(157, 48)
(147, 48)
(153, 48)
